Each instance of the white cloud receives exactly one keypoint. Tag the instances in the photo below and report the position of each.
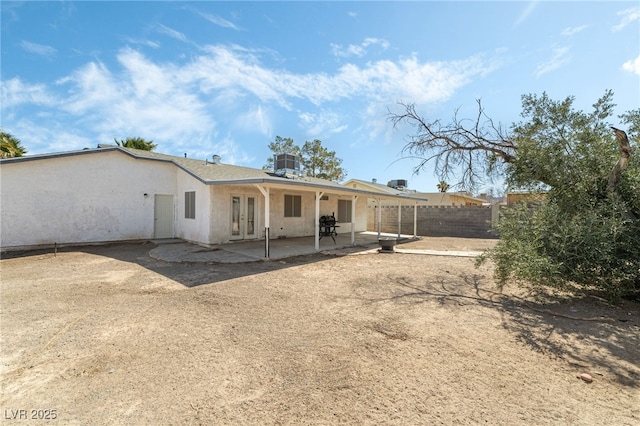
(628, 17)
(208, 145)
(633, 66)
(148, 43)
(221, 22)
(172, 33)
(558, 60)
(15, 92)
(255, 120)
(226, 75)
(147, 78)
(180, 104)
(570, 31)
(528, 10)
(91, 85)
(233, 72)
(358, 50)
(407, 78)
(38, 49)
(322, 123)
(144, 100)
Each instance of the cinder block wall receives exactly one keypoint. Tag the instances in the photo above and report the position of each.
(435, 221)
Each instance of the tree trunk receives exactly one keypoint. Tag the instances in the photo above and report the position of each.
(625, 152)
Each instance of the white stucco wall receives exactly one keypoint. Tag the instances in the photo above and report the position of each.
(196, 230)
(99, 196)
(82, 198)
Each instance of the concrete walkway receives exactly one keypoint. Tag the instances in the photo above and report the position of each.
(175, 250)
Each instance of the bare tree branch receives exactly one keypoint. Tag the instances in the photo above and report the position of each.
(456, 147)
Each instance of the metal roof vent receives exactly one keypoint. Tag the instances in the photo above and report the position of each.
(216, 159)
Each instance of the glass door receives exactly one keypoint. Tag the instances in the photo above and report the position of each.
(243, 217)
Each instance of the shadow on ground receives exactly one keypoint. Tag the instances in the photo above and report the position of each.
(187, 273)
(583, 331)
(589, 334)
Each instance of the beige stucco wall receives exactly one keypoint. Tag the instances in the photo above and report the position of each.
(82, 198)
(294, 226)
(220, 211)
(280, 226)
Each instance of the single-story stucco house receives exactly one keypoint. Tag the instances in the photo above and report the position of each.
(112, 193)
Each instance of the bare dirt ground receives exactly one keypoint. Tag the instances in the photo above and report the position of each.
(108, 335)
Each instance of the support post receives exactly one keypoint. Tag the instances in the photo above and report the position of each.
(415, 220)
(379, 217)
(353, 219)
(317, 238)
(399, 219)
(267, 210)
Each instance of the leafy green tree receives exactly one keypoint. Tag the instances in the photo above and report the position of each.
(319, 162)
(316, 159)
(136, 143)
(10, 146)
(443, 186)
(585, 235)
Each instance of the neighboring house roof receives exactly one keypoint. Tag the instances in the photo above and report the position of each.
(433, 197)
(455, 195)
(378, 187)
(217, 173)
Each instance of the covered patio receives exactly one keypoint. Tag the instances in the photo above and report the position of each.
(250, 251)
(352, 239)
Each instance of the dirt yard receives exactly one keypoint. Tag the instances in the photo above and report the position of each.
(108, 335)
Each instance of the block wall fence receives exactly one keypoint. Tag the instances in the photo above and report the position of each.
(436, 221)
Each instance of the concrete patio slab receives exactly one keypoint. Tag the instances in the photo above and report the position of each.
(253, 251)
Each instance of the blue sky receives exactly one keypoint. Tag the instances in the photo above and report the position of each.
(226, 78)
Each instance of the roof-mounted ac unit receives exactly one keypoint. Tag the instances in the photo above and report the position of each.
(286, 165)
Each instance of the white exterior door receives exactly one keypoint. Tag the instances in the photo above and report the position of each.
(243, 217)
(163, 216)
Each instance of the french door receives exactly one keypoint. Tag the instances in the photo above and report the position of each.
(243, 217)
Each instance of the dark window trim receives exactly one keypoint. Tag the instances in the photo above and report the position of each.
(292, 205)
(344, 211)
(190, 205)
